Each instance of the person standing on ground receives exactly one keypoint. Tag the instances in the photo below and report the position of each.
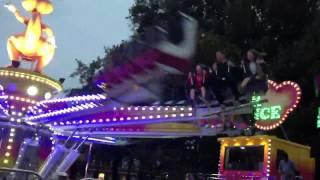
(287, 169)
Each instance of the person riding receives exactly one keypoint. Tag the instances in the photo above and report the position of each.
(254, 72)
(223, 77)
(197, 82)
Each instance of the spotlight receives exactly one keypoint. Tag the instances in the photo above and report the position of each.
(32, 90)
(47, 95)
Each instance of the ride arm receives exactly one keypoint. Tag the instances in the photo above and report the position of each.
(49, 33)
(16, 13)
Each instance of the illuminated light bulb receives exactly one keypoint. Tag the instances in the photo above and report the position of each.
(150, 117)
(143, 109)
(151, 108)
(129, 108)
(9, 147)
(136, 108)
(143, 117)
(10, 140)
(94, 121)
(5, 161)
(100, 120)
(32, 91)
(114, 119)
(7, 154)
(158, 108)
(136, 118)
(182, 115)
(174, 109)
(129, 118)
(121, 119)
(158, 116)
(190, 109)
(107, 119)
(166, 116)
(190, 114)
(121, 108)
(12, 130)
(47, 95)
(174, 115)
(11, 134)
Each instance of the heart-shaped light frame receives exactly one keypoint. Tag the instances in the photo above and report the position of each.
(295, 96)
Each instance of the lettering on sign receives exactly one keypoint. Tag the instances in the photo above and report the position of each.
(262, 113)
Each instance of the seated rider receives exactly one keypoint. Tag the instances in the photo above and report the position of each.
(223, 77)
(254, 72)
(196, 82)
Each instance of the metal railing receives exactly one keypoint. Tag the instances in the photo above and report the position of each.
(21, 171)
(193, 176)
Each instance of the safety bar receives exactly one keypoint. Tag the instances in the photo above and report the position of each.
(205, 176)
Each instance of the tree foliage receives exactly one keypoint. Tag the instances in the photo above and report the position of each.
(86, 72)
(236, 25)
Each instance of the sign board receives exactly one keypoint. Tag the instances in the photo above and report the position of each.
(281, 99)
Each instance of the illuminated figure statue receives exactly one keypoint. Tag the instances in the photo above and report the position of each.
(37, 42)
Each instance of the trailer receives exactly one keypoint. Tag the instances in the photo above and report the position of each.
(258, 157)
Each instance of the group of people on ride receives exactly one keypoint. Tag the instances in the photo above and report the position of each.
(250, 76)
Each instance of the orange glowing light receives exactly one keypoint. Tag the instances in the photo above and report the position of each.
(37, 42)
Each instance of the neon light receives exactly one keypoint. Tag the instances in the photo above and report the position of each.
(318, 118)
(268, 113)
(265, 113)
(34, 77)
(274, 112)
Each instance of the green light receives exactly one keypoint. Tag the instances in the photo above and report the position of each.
(275, 112)
(262, 113)
(318, 118)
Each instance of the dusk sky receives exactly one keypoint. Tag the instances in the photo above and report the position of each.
(81, 27)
